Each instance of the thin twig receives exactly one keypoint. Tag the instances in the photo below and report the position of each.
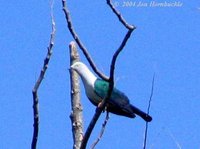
(121, 19)
(148, 109)
(102, 131)
(78, 41)
(111, 85)
(98, 112)
(76, 114)
(38, 82)
(128, 34)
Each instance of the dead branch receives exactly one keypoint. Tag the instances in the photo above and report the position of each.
(102, 130)
(111, 85)
(39, 81)
(76, 114)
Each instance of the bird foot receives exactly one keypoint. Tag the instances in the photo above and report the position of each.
(100, 104)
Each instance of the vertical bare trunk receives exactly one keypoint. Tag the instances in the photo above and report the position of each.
(76, 113)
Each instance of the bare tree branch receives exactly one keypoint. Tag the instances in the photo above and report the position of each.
(100, 108)
(78, 41)
(148, 109)
(76, 114)
(102, 130)
(38, 82)
(128, 34)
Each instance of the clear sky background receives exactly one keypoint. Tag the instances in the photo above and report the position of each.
(166, 42)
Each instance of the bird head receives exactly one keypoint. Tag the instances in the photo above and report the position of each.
(78, 66)
(84, 72)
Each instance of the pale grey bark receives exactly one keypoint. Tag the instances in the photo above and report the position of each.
(76, 113)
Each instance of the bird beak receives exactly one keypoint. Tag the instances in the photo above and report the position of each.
(72, 66)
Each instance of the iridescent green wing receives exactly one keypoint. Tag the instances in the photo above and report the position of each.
(117, 97)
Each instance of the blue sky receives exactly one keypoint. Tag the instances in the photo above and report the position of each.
(166, 42)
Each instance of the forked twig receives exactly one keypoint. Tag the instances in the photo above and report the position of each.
(111, 85)
(102, 130)
(128, 34)
(100, 108)
(148, 109)
(38, 82)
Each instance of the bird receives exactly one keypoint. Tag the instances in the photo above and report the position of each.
(96, 90)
